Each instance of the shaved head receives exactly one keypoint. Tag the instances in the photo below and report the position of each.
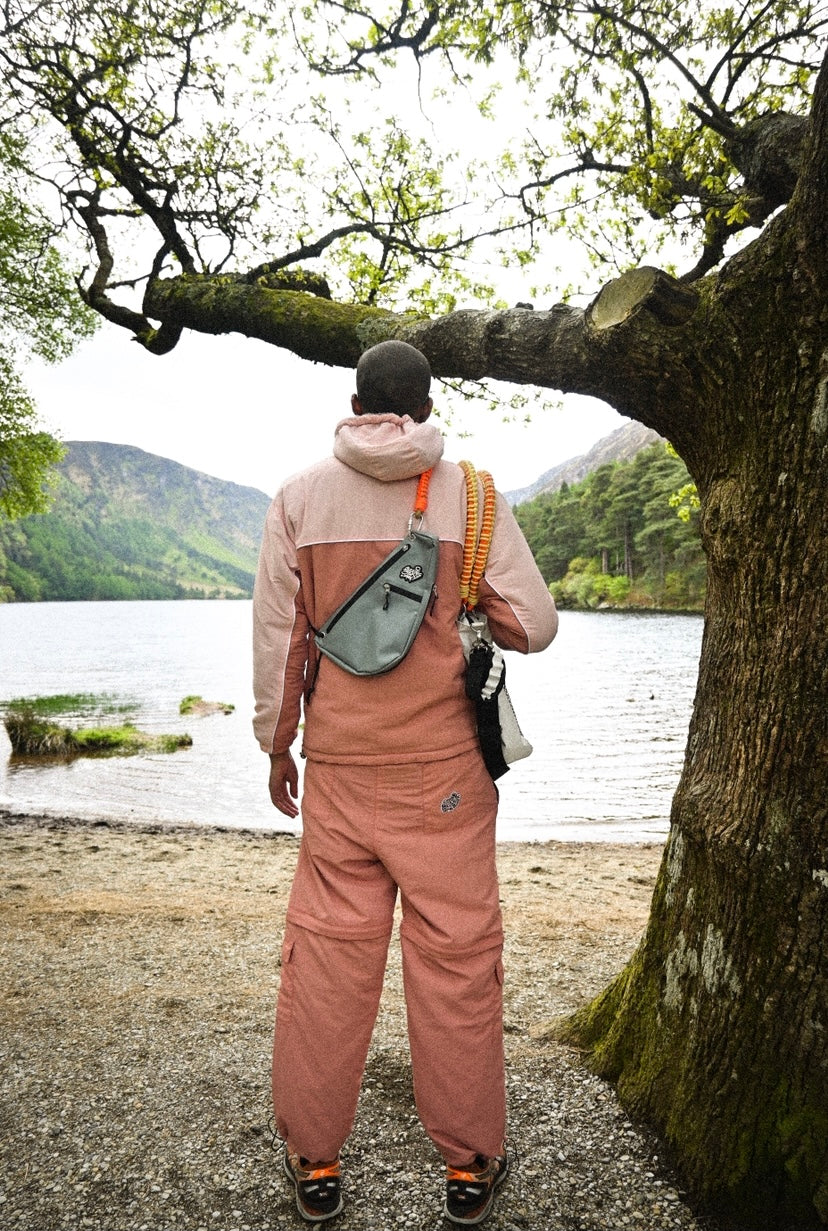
(393, 378)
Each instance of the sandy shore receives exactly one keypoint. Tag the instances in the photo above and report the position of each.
(139, 975)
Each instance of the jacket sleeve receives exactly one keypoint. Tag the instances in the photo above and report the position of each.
(280, 635)
(513, 593)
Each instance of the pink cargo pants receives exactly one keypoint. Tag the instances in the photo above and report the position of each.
(429, 831)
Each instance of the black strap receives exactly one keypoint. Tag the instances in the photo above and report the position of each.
(488, 729)
(309, 691)
(488, 718)
(477, 670)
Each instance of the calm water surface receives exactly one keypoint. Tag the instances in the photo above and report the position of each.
(606, 707)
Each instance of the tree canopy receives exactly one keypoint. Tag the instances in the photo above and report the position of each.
(253, 148)
(41, 314)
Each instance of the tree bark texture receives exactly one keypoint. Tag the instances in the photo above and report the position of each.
(717, 1031)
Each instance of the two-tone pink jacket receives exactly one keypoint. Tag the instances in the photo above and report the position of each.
(326, 529)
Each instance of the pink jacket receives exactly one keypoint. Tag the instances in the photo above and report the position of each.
(326, 529)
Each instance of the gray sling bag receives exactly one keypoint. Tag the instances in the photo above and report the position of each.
(373, 630)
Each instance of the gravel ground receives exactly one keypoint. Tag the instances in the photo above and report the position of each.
(139, 974)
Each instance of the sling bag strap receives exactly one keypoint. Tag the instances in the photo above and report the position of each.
(421, 498)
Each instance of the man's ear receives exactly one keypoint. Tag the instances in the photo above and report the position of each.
(422, 414)
(356, 405)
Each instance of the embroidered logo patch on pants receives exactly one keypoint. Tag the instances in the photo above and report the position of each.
(450, 802)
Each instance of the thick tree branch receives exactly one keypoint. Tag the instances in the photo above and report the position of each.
(312, 327)
(614, 350)
(768, 153)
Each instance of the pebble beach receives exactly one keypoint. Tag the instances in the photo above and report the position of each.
(139, 978)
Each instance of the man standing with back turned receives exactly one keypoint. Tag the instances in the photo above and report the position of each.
(396, 797)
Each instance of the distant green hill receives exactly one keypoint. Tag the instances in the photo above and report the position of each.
(129, 525)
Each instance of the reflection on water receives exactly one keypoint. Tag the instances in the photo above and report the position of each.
(606, 708)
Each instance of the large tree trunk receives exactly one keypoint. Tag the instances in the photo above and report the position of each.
(717, 1031)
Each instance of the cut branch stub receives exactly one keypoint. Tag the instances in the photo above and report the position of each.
(669, 301)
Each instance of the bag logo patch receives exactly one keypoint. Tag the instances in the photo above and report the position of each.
(411, 572)
(450, 802)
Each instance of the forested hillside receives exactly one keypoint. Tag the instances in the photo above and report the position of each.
(129, 525)
(615, 539)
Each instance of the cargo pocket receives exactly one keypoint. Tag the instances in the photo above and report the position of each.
(284, 1003)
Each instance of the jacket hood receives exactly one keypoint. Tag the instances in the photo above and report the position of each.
(387, 447)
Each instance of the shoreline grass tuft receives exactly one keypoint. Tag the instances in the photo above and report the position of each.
(62, 704)
(31, 731)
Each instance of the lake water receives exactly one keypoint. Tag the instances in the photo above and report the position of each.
(606, 707)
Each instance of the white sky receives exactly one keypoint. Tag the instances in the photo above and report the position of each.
(245, 411)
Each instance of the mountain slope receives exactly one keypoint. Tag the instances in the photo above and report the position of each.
(619, 446)
(129, 524)
(126, 524)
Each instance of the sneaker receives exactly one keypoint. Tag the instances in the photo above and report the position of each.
(318, 1195)
(470, 1193)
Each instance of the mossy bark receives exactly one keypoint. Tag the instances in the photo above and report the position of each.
(717, 1031)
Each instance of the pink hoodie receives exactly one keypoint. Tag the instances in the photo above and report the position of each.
(326, 529)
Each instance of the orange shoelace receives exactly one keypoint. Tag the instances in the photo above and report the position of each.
(469, 1177)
